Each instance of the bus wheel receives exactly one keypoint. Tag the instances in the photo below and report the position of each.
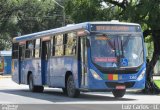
(64, 91)
(39, 89)
(32, 87)
(118, 93)
(71, 89)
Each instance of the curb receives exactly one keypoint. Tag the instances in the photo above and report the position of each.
(5, 76)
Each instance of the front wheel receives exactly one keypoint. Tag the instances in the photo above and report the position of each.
(71, 89)
(64, 91)
(119, 93)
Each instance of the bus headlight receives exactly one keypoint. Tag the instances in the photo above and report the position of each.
(140, 77)
(95, 75)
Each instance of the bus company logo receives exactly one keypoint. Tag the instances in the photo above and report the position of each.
(9, 107)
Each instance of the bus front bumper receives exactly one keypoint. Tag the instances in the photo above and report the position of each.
(104, 85)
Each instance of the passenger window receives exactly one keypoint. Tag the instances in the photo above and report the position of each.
(70, 44)
(15, 50)
(29, 49)
(59, 47)
(53, 46)
(37, 48)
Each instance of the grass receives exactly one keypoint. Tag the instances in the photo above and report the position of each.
(157, 82)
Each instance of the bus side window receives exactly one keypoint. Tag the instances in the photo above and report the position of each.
(53, 46)
(59, 47)
(15, 50)
(29, 49)
(70, 44)
(22, 52)
(37, 47)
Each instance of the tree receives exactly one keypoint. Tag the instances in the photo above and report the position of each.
(38, 15)
(27, 16)
(84, 10)
(7, 9)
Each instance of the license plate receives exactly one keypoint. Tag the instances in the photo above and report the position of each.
(120, 87)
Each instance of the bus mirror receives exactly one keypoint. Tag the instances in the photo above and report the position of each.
(87, 32)
(82, 33)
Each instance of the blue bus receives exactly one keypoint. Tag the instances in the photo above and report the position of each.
(90, 56)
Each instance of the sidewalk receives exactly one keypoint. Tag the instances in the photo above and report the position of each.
(5, 76)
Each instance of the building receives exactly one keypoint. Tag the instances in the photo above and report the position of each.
(5, 62)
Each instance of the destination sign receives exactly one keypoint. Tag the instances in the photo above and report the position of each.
(115, 28)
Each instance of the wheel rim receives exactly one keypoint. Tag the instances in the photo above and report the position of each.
(70, 87)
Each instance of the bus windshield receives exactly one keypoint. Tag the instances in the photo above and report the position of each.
(117, 50)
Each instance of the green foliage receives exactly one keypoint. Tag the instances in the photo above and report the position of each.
(157, 82)
(27, 16)
(82, 10)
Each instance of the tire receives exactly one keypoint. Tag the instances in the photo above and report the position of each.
(119, 93)
(64, 91)
(32, 87)
(71, 89)
(39, 89)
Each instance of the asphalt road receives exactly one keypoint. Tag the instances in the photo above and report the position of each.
(12, 93)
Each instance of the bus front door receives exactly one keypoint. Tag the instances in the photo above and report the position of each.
(83, 61)
(45, 54)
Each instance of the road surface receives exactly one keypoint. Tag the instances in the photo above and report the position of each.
(12, 93)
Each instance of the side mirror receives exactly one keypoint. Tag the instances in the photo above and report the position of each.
(82, 33)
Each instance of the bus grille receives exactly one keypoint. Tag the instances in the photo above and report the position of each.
(114, 84)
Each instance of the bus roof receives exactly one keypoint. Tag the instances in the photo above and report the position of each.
(66, 29)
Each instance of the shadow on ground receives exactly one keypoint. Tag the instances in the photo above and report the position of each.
(58, 96)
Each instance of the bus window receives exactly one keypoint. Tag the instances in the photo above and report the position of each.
(22, 52)
(29, 49)
(37, 48)
(15, 51)
(52, 45)
(70, 47)
(59, 45)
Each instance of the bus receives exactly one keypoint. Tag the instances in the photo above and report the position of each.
(84, 57)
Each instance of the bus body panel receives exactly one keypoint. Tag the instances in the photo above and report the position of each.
(124, 79)
(15, 71)
(59, 66)
(32, 66)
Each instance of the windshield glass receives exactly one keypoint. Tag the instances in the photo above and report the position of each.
(117, 50)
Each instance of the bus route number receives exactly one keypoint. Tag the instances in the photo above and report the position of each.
(133, 77)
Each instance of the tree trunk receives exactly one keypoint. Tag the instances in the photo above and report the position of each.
(150, 86)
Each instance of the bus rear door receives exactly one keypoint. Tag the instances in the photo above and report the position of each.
(45, 55)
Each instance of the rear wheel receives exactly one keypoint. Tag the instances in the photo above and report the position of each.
(119, 93)
(32, 87)
(39, 89)
(64, 91)
(71, 89)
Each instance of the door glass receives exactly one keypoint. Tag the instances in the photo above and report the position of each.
(83, 61)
